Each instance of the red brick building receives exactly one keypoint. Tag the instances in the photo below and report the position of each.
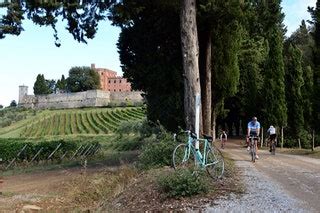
(109, 80)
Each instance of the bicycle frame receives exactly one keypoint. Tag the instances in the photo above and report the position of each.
(191, 148)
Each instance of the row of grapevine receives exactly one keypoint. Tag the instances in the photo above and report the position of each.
(94, 121)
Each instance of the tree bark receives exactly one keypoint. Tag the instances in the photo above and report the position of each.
(190, 54)
(205, 80)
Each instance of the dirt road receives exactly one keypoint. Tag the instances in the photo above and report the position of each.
(274, 183)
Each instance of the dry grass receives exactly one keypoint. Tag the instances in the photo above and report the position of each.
(304, 152)
(88, 191)
(144, 194)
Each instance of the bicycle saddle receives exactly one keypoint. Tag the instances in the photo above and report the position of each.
(208, 137)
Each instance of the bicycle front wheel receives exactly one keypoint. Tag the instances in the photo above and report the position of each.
(182, 157)
(215, 163)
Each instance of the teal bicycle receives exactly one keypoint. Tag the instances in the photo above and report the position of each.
(186, 155)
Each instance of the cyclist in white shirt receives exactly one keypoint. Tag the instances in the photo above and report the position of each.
(223, 138)
(272, 135)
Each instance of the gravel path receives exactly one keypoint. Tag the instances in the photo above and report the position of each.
(273, 184)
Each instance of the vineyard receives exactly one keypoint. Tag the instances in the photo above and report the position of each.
(92, 121)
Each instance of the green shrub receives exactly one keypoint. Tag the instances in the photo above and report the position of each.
(157, 151)
(183, 183)
(127, 143)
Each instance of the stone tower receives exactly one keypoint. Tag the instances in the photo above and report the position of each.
(23, 91)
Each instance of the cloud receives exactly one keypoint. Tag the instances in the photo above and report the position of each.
(295, 11)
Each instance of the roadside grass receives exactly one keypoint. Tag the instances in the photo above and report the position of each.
(89, 191)
(145, 194)
(302, 152)
(120, 184)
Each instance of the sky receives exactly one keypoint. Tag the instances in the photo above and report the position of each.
(33, 52)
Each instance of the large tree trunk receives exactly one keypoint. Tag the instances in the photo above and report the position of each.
(205, 79)
(190, 54)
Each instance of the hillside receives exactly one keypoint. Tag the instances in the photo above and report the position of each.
(72, 122)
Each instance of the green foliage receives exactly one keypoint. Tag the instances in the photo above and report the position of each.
(11, 115)
(226, 39)
(315, 14)
(82, 79)
(62, 84)
(157, 150)
(133, 135)
(294, 83)
(13, 103)
(183, 183)
(11, 147)
(275, 110)
(41, 86)
(150, 54)
(81, 18)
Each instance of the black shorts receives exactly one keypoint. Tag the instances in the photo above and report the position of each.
(253, 134)
(273, 136)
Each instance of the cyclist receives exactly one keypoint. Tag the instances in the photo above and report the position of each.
(272, 135)
(223, 139)
(253, 131)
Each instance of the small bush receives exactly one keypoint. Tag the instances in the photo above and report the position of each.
(157, 151)
(183, 183)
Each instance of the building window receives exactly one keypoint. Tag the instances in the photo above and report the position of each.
(115, 81)
(120, 90)
(109, 81)
(119, 81)
(114, 90)
(109, 90)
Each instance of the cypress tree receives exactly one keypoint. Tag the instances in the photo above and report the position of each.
(40, 86)
(315, 14)
(294, 83)
(275, 110)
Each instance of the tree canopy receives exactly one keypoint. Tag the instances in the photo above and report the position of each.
(82, 79)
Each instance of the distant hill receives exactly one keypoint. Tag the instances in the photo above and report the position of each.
(72, 122)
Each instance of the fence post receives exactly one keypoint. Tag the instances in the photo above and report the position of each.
(282, 137)
(312, 140)
(75, 153)
(261, 137)
(54, 151)
(85, 153)
(84, 149)
(96, 150)
(14, 159)
(63, 155)
(299, 143)
(34, 157)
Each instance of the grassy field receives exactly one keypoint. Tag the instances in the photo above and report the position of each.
(70, 122)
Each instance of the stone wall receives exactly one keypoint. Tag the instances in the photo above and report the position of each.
(91, 98)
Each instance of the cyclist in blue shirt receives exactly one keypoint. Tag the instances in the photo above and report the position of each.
(253, 130)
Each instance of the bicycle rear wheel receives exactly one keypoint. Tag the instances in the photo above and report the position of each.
(181, 157)
(273, 148)
(215, 163)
